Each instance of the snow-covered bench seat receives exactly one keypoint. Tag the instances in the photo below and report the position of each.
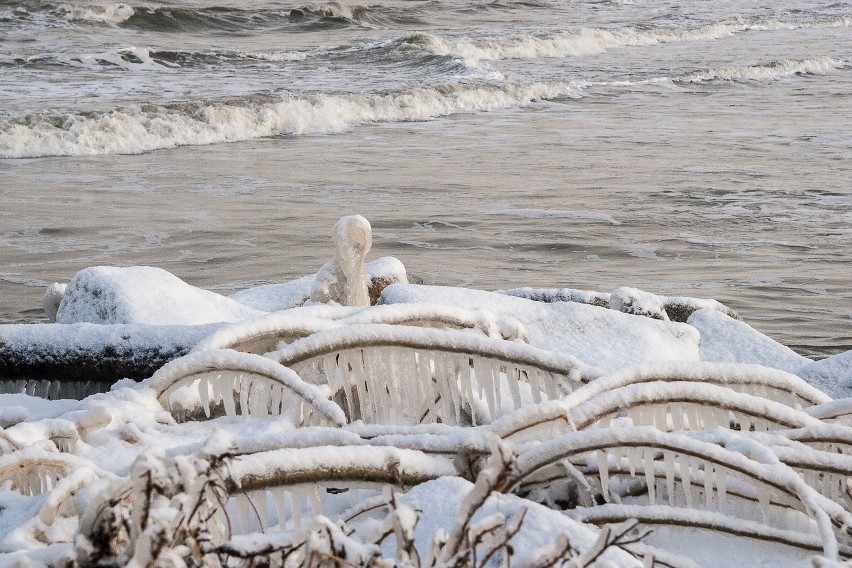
(677, 470)
(230, 382)
(402, 374)
(839, 411)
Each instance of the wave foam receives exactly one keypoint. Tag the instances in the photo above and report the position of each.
(557, 214)
(135, 130)
(589, 41)
(777, 70)
(109, 14)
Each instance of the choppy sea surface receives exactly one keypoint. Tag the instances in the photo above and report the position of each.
(685, 148)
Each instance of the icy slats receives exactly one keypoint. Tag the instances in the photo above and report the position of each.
(669, 463)
(603, 471)
(709, 478)
(721, 487)
(466, 387)
(513, 377)
(650, 473)
(204, 394)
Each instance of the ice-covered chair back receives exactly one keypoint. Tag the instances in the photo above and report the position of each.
(410, 375)
(650, 475)
(212, 383)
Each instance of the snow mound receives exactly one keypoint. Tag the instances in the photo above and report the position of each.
(833, 374)
(275, 297)
(143, 295)
(726, 340)
(606, 339)
(636, 302)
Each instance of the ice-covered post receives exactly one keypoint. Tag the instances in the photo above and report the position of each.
(342, 280)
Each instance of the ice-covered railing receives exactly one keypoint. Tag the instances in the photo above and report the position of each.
(757, 380)
(282, 488)
(833, 411)
(684, 405)
(230, 382)
(33, 470)
(681, 471)
(268, 333)
(402, 374)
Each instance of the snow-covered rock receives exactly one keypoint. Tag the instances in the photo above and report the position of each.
(606, 339)
(143, 295)
(832, 374)
(726, 340)
(636, 302)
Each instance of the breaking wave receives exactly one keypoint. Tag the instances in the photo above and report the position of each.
(138, 129)
(777, 70)
(588, 41)
(176, 17)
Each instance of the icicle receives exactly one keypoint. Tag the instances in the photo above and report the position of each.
(258, 499)
(430, 390)
(316, 504)
(686, 478)
(360, 385)
(277, 398)
(454, 368)
(243, 507)
(394, 382)
(660, 417)
(244, 395)
(204, 394)
(217, 384)
(677, 417)
(634, 460)
(278, 497)
(441, 373)
(512, 376)
(228, 394)
(650, 473)
(668, 460)
(535, 386)
(466, 386)
(549, 382)
(603, 470)
(297, 498)
(709, 475)
(721, 487)
(485, 376)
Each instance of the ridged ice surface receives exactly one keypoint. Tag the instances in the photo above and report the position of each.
(684, 148)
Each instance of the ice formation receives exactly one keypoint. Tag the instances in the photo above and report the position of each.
(342, 280)
(533, 431)
(52, 299)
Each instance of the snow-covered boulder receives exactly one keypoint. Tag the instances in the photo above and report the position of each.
(726, 340)
(605, 339)
(274, 297)
(833, 374)
(143, 295)
(636, 302)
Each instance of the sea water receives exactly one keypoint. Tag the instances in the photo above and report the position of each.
(685, 148)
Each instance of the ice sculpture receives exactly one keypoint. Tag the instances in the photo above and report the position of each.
(342, 280)
(52, 298)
